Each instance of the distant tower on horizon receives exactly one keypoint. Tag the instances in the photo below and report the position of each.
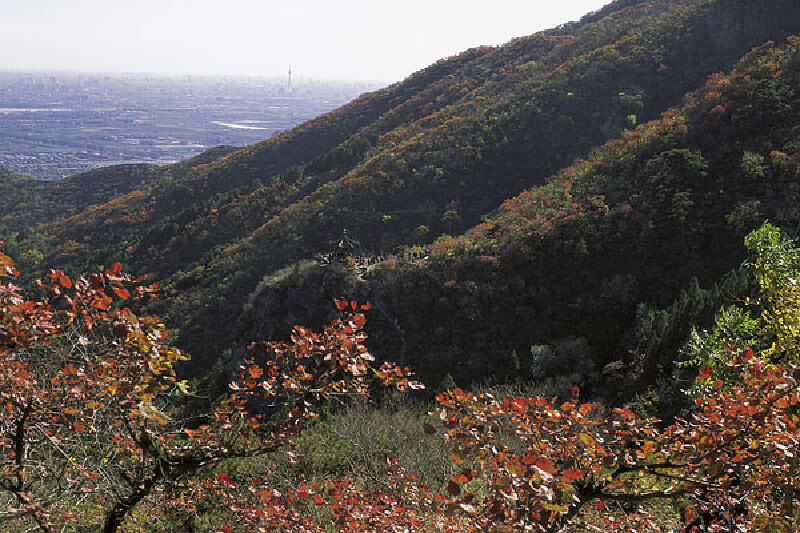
(290, 78)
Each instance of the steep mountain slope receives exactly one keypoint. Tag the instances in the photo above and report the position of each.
(404, 165)
(578, 268)
(445, 176)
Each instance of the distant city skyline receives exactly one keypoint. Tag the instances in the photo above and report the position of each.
(320, 39)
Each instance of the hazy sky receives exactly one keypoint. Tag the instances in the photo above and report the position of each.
(378, 40)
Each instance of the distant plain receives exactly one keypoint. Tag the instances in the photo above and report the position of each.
(55, 125)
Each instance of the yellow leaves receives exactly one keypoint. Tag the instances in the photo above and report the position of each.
(556, 508)
(587, 440)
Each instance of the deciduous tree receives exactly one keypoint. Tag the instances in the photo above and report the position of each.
(91, 423)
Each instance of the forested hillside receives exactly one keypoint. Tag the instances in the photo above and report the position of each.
(413, 163)
(589, 259)
(26, 202)
(559, 246)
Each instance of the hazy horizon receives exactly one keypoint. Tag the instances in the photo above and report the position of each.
(349, 40)
(133, 75)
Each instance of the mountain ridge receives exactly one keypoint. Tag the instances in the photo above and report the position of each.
(404, 165)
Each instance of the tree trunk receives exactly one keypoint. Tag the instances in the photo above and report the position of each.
(116, 515)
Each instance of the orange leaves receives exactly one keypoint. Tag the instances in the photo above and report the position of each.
(7, 266)
(465, 476)
(404, 505)
(359, 320)
(571, 475)
(718, 112)
(546, 465)
(342, 305)
(121, 292)
(101, 302)
(102, 383)
(563, 453)
(61, 279)
(255, 371)
(576, 453)
(114, 271)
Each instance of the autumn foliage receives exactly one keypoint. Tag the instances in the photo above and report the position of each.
(536, 464)
(91, 431)
(735, 455)
(91, 424)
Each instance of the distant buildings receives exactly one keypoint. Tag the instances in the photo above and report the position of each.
(56, 125)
